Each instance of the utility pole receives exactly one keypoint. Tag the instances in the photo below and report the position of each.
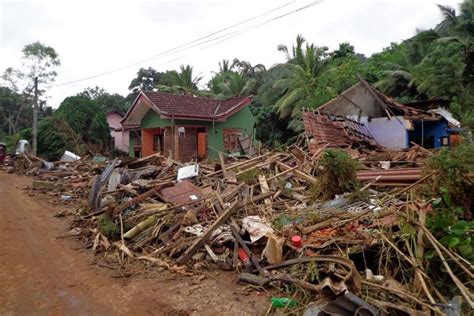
(35, 118)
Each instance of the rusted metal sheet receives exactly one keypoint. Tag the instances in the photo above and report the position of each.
(390, 175)
(181, 193)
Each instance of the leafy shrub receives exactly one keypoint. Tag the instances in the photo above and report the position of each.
(453, 166)
(86, 118)
(54, 137)
(446, 226)
(338, 174)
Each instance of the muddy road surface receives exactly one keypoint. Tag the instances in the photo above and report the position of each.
(41, 274)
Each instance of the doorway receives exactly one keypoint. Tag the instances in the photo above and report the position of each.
(202, 143)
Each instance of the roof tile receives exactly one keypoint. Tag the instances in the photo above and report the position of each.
(195, 107)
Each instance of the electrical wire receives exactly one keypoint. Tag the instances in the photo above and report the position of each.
(206, 39)
(180, 47)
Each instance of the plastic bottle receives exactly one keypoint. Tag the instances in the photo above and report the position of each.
(280, 302)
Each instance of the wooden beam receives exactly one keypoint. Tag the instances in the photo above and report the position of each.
(298, 173)
(221, 158)
(235, 230)
(264, 187)
(201, 240)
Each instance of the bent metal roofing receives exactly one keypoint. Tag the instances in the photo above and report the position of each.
(186, 107)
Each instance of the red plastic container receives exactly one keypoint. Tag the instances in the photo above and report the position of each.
(297, 241)
(243, 255)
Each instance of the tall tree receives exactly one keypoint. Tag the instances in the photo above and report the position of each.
(39, 63)
(86, 118)
(297, 80)
(147, 79)
(108, 102)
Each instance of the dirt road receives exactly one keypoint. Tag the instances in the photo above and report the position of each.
(41, 274)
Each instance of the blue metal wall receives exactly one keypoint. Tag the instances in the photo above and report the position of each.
(432, 132)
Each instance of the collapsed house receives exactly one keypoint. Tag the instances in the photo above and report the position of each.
(387, 122)
(188, 127)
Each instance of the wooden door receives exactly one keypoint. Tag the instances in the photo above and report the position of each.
(202, 144)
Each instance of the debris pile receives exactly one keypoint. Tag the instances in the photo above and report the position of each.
(361, 251)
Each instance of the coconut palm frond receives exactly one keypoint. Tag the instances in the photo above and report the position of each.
(285, 106)
(449, 14)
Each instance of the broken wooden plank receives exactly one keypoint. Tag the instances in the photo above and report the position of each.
(298, 173)
(235, 230)
(142, 197)
(264, 187)
(201, 240)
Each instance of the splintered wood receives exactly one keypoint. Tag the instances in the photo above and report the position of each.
(260, 214)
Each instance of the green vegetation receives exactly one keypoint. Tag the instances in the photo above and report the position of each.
(452, 193)
(85, 117)
(107, 227)
(434, 63)
(55, 136)
(338, 174)
(453, 167)
(250, 176)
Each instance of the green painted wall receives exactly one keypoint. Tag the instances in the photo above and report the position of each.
(243, 119)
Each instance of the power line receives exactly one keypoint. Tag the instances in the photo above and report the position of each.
(196, 42)
(266, 22)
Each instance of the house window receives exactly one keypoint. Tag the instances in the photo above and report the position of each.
(231, 138)
(444, 141)
(158, 142)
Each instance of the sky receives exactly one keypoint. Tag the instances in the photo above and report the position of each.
(118, 37)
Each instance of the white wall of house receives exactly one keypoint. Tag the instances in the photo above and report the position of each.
(121, 137)
(390, 133)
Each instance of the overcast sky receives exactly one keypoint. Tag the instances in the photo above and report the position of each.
(97, 36)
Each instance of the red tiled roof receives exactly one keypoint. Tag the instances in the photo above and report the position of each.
(336, 131)
(191, 107)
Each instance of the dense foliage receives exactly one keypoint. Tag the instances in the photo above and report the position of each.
(86, 118)
(55, 136)
(451, 167)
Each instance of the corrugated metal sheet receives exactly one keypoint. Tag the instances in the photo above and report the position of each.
(391, 175)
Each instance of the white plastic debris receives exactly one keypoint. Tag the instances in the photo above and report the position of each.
(197, 229)
(69, 156)
(22, 147)
(187, 172)
(257, 227)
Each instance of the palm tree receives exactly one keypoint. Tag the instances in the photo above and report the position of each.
(226, 66)
(246, 69)
(295, 82)
(460, 28)
(182, 81)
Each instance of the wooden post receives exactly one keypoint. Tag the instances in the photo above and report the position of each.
(35, 119)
